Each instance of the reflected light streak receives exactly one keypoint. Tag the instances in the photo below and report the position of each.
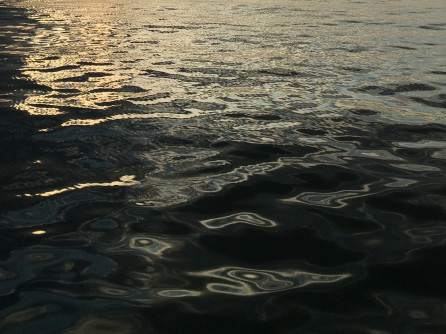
(126, 180)
(89, 122)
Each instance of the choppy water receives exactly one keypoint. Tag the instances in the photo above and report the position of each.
(223, 166)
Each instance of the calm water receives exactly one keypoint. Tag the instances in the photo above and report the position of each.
(223, 166)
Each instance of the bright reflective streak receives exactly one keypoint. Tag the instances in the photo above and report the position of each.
(90, 122)
(126, 180)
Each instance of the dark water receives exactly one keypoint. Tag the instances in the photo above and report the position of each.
(223, 167)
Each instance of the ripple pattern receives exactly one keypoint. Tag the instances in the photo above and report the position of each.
(218, 167)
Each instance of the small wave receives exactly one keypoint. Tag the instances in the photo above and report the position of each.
(251, 282)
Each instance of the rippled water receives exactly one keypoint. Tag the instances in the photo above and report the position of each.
(223, 167)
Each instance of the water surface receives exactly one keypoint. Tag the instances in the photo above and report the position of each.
(223, 167)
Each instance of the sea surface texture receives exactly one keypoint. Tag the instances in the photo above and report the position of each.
(224, 167)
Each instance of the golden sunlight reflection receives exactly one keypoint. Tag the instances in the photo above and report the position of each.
(124, 181)
(90, 122)
(38, 232)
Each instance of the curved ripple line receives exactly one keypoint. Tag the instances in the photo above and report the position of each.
(251, 282)
(338, 199)
(238, 218)
(334, 199)
(149, 245)
(178, 293)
